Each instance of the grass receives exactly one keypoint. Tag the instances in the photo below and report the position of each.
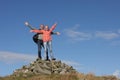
(72, 76)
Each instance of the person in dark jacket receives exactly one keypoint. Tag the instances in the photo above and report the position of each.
(38, 39)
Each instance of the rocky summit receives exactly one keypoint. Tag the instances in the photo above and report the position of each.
(44, 67)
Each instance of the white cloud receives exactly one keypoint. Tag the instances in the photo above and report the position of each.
(119, 31)
(10, 57)
(117, 73)
(71, 63)
(75, 65)
(74, 34)
(106, 35)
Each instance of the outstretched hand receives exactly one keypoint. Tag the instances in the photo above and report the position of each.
(26, 23)
(58, 33)
(31, 30)
(55, 23)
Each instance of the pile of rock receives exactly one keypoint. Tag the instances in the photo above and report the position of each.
(44, 67)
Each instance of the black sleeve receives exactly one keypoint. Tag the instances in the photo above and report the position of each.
(53, 33)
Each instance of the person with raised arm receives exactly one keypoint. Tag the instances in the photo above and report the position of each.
(47, 39)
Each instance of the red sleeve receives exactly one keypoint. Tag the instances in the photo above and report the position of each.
(37, 31)
(53, 27)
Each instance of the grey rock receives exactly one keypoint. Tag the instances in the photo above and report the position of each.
(44, 67)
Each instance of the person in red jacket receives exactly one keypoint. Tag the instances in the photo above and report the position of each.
(47, 39)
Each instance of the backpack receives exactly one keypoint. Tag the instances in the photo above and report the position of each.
(35, 37)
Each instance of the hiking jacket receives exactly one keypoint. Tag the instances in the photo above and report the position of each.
(46, 33)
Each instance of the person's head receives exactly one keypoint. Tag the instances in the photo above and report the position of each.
(41, 26)
(46, 28)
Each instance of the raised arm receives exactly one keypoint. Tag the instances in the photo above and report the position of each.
(56, 33)
(28, 25)
(36, 31)
(53, 27)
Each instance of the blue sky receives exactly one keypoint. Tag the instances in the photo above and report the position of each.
(89, 40)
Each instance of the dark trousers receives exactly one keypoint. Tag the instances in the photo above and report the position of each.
(40, 45)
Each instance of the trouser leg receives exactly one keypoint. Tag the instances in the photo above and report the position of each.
(47, 57)
(45, 49)
(39, 49)
(47, 54)
(50, 48)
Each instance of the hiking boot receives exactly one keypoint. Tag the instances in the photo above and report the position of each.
(47, 59)
(40, 58)
(53, 58)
